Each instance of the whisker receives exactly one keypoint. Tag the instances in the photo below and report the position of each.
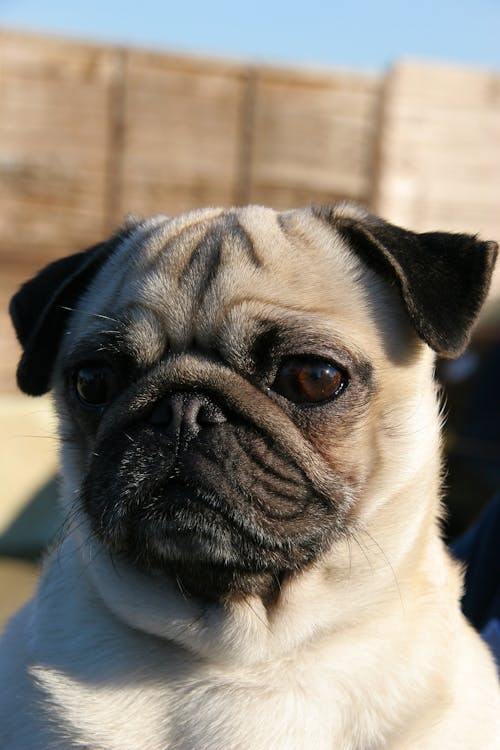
(362, 548)
(388, 562)
(90, 314)
(278, 582)
(266, 624)
(347, 539)
(181, 588)
(38, 437)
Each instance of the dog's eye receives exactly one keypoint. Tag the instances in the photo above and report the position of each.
(95, 385)
(304, 380)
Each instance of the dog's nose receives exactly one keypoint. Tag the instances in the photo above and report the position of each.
(188, 413)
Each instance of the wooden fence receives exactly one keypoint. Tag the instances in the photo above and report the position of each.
(89, 133)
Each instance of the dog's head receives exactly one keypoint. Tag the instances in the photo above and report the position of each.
(235, 386)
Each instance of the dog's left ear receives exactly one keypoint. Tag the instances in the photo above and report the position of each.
(443, 278)
(41, 307)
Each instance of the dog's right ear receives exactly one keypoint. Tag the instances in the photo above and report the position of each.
(41, 307)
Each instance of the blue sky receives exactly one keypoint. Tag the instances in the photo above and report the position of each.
(361, 34)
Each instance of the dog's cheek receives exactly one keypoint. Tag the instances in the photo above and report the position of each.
(343, 434)
(75, 449)
(352, 459)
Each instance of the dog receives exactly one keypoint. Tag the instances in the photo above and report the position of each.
(251, 477)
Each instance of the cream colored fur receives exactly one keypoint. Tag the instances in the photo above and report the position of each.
(365, 650)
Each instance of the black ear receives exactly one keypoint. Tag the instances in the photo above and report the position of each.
(443, 278)
(41, 307)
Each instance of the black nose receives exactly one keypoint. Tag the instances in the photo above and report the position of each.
(186, 413)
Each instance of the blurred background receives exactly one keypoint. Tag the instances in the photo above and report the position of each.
(106, 110)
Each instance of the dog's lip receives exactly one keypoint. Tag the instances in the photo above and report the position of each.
(181, 473)
(181, 490)
(197, 500)
(178, 489)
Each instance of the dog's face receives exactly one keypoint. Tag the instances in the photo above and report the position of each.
(232, 384)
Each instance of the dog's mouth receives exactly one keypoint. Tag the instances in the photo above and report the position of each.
(227, 514)
(206, 545)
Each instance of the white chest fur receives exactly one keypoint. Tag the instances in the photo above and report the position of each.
(203, 711)
(98, 683)
(90, 680)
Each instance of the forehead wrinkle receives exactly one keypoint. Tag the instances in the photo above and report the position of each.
(171, 241)
(144, 332)
(236, 240)
(279, 307)
(173, 251)
(202, 265)
(313, 326)
(170, 304)
(183, 283)
(308, 265)
(233, 290)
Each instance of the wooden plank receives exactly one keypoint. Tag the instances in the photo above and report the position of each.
(444, 86)
(55, 99)
(313, 137)
(182, 133)
(431, 152)
(439, 151)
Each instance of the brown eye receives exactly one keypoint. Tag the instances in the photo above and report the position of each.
(309, 380)
(95, 385)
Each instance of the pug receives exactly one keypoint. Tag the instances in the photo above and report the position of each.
(251, 480)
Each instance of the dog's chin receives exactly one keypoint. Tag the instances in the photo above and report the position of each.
(208, 545)
(210, 582)
(206, 549)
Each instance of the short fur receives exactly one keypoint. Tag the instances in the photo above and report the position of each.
(241, 571)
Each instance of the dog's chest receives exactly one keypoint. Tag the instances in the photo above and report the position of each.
(267, 709)
(214, 710)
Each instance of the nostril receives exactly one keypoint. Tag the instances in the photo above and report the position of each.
(210, 414)
(162, 414)
(200, 411)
